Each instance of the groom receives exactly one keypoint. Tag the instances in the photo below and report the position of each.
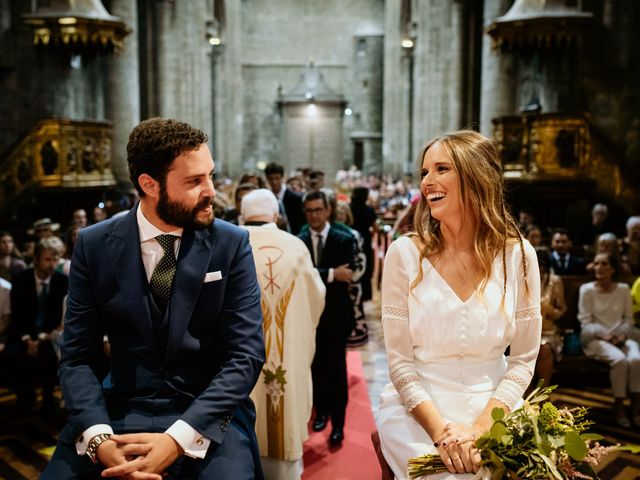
(177, 296)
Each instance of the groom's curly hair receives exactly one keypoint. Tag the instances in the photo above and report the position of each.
(155, 143)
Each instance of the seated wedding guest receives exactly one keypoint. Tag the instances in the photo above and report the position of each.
(292, 301)
(455, 294)
(5, 316)
(561, 261)
(630, 245)
(43, 228)
(606, 318)
(599, 223)
(609, 243)
(37, 296)
(534, 235)
(79, 218)
(552, 307)
(11, 261)
(28, 247)
(99, 214)
(525, 218)
(635, 301)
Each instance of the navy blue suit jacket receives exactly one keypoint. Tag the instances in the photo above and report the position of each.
(215, 349)
(339, 248)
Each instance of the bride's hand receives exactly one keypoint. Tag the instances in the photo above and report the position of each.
(460, 457)
(456, 447)
(457, 433)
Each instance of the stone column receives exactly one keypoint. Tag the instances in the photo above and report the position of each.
(440, 70)
(228, 91)
(497, 97)
(457, 67)
(184, 73)
(123, 105)
(395, 121)
(367, 98)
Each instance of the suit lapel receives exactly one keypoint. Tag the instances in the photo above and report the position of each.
(196, 251)
(327, 253)
(306, 238)
(123, 245)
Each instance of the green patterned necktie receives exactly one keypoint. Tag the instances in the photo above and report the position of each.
(162, 278)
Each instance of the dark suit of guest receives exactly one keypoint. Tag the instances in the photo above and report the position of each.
(292, 203)
(567, 266)
(329, 367)
(32, 314)
(197, 362)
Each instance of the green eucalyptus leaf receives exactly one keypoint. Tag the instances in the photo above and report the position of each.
(551, 467)
(497, 413)
(496, 460)
(576, 447)
(591, 436)
(545, 447)
(498, 430)
(556, 442)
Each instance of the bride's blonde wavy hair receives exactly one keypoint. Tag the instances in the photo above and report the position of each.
(478, 166)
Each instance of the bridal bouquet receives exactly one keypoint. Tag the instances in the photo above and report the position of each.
(536, 441)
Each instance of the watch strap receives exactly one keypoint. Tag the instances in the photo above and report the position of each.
(94, 443)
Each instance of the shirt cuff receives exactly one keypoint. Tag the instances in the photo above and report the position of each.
(25, 337)
(83, 441)
(193, 444)
(330, 276)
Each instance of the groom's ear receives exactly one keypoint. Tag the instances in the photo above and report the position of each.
(150, 186)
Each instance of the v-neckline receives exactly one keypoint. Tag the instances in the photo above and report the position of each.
(455, 294)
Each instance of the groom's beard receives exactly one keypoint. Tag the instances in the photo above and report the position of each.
(179, 215)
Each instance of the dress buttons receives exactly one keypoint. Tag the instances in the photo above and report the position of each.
(199, 442)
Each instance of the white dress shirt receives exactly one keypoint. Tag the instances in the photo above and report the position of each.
(192, 442)
(324, 233)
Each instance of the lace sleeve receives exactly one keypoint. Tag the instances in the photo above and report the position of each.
(526, 341)
(395, 323)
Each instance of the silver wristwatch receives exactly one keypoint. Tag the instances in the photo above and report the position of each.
(94, 443)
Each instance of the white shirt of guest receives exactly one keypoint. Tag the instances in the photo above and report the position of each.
(324, 233)
(280, 194)
(192, 442)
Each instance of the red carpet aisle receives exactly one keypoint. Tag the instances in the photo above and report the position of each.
(355, 460)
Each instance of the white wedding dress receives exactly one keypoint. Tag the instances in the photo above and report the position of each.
(451, 352)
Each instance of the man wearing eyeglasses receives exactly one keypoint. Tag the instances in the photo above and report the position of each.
(333, 255)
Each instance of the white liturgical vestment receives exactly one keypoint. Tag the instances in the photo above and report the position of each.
(293, 298)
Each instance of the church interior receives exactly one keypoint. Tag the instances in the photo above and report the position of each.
(353, 89)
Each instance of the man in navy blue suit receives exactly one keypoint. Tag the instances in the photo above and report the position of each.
(176, 294)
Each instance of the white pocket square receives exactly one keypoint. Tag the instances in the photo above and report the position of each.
(213, 276)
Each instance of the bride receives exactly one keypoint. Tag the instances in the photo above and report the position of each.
(455, 294)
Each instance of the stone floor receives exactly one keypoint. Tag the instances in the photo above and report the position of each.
(374, 358)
